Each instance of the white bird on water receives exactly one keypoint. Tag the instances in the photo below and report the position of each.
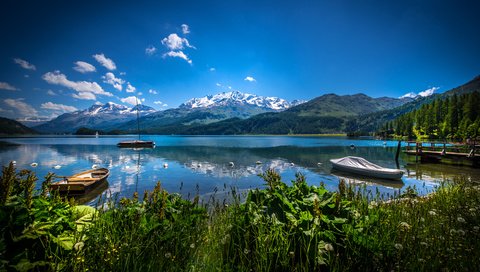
(258, 162)
(231, 164)
(34, 164)
(57, 166)
(165, 165)
(94, 166)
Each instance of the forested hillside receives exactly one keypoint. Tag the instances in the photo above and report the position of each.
(453, 117)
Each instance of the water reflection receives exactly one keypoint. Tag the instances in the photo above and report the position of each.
(209, 167)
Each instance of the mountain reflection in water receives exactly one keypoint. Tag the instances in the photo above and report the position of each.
(201, 169)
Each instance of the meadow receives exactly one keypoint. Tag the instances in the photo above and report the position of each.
(294, 227)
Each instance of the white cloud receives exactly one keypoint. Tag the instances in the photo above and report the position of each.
(132, 100)
(178, 54)
(57, 107)
(152, 91)
(428, 92)
(218, 84)
(58, 78)
(26, 76)
(6, 86)
(143, 99)
(139, 93)
(25, 64)
(23, 109)
(409, 95)
(185, 29)
(174, 42)
(249, 78)
(123, 73)
(106, 62)
(50, 92)
(150, 50)
(85, 96)
(160, 103)
(425, 93)
(114, 81)
(130, 88)
(83, 67)
(212, 69)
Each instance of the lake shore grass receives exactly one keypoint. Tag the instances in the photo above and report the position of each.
(283, 227)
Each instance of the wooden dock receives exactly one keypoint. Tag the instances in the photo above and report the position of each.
(437, 151)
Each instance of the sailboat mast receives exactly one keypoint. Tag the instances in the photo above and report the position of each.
(138, 121)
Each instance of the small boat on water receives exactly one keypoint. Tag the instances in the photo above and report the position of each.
(81, 182)
(136, 143)
(361, 166)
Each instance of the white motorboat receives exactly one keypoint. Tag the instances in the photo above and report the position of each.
(361, 166)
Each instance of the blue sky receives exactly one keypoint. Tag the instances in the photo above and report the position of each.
(58, 56)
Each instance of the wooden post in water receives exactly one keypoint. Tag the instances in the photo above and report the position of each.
(398, 150)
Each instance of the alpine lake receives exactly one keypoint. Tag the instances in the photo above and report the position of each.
(213, 165)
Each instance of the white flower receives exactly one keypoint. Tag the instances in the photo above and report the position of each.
(460, 219)
(476, 228)
(328, 247)
(432, 213)
(168, 255)
(192, 245)
(78, 246)
(404, 225)
(398, 246)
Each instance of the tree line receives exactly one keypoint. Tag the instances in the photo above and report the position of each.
(452, 117)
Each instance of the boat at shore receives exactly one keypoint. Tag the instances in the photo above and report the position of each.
(136, 143)
(81, 182)
(361, 166)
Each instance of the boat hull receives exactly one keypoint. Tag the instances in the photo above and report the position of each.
(379, 172)
(136, 144)
(81, 182)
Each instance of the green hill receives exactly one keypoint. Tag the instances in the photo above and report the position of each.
(11, 127)
(325, 114)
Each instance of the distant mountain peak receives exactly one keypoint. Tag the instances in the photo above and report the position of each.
(233, 98)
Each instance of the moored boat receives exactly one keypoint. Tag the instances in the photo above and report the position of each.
(136, 143)
(81, 182)
(361, 166)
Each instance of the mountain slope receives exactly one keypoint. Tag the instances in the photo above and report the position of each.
(208, 109)
(101, 116)
(324, 114)
(371, 122)
(9, 126)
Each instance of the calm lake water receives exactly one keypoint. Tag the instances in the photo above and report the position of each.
(201, 163)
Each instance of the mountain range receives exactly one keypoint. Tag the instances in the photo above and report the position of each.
(241, 113)
(98, 116)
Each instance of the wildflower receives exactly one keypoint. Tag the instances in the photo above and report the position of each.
(246, 251)
(168, 255)
(432, 213)
(476, 228)
(460, 219)
(422, 219)
(78, 246)
(404, 226)
(328, 247)
(398, 246)
(292, 254)
(423, 244)
(461, 232)
(192, 245)
(453, 231)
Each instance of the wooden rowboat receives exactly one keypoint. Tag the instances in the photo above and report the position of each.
(81, 182)
(361, 166)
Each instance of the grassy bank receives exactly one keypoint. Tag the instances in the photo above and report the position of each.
(280, 228)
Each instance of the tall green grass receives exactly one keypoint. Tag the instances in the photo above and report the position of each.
(283, 227)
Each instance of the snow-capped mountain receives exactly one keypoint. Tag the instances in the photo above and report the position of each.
(236, 98)
(98, 116)
(113, 108)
